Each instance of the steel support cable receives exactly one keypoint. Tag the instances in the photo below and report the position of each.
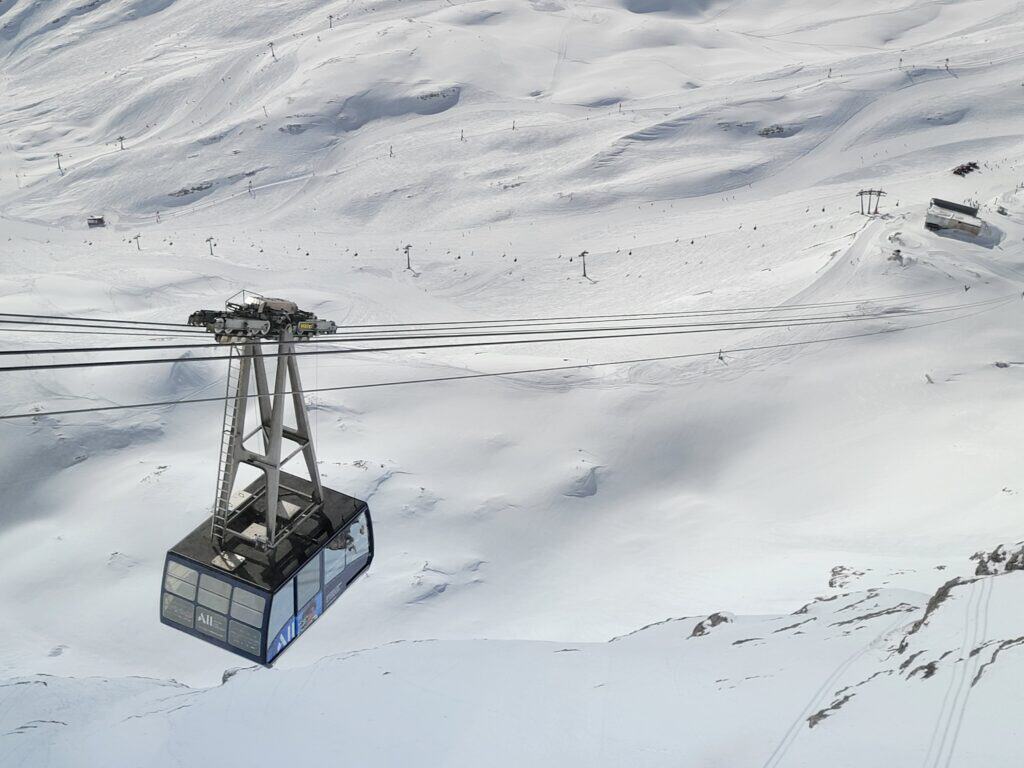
(351, 350)
(740, 324)
(674, 313)
(54, 323)
(359, 335)
(520, 372)
(54, 327)
(471, 323)
(356, 350)
(91, 319)
(453, 335)
(529, 329)
(493, 343)
(501, 326)
(153, 335)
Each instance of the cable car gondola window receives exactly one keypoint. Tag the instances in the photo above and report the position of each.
(334, 556)
(247, 607)
(214, 593)
(179, 592)
(282, 620)
(310, 598)
(344, 557)
(360, 539)
(180, 588)
(245, 638)
(308, 581)
(181, 581)
(178, 610)
(183, 572)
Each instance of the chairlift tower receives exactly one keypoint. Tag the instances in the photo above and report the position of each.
(870, 200)
(277, 553)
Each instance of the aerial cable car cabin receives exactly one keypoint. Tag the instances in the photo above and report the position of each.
(276, 554)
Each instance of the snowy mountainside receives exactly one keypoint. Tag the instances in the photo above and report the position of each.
(706, 154)
(842, 681)
(401, 114)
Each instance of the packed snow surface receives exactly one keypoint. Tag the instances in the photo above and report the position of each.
(850, 676)
(707, 155)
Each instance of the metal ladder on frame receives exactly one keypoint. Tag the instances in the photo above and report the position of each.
(226, 470)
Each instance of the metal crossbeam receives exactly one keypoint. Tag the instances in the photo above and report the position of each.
(243, 326)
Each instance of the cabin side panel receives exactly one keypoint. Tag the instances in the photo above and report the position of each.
(214, 608)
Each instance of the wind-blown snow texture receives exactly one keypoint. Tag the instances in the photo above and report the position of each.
(707, 154)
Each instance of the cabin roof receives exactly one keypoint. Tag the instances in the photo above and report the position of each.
(958, 207)
(269, 571)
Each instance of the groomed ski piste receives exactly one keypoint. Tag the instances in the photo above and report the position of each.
(745, 547)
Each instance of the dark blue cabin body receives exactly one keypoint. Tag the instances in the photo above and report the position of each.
(258, 609)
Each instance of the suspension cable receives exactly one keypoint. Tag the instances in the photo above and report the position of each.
(743, 324)
(674, 313)
(92, 325)
(91, 319)
(461, 377)
(457, 334)
(469, 323)
(153, 335)
(492, 343)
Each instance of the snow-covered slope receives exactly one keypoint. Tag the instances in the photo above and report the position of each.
(707, 155)
(864, 678)
(401, 114)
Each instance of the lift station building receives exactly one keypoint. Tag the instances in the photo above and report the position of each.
(942, 214)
